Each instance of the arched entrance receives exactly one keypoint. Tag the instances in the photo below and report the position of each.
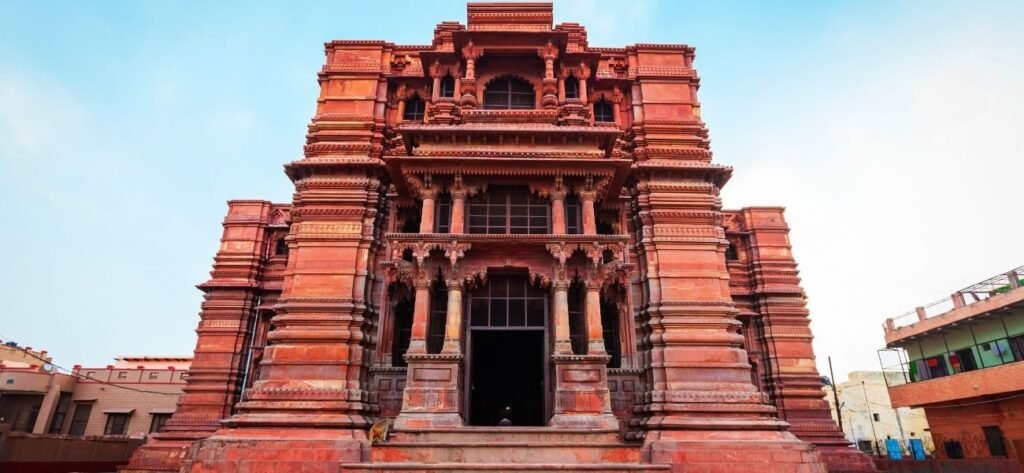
(507, 352)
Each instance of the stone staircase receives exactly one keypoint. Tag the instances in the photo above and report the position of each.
(497, 449)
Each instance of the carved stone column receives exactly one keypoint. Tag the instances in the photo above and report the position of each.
(587, 198)
(557, 194)
(427, 212)
(453, 318)
(458, 222)
(420, 314)
(592, 311)
(560, 293)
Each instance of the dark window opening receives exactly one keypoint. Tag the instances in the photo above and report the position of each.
(414, 108)
(573, 215)
(603, 111)
(447, 85)
(281, 247)
(117, 424)
(509, 93)
(438, 317)
(963, 361)
(403, 331)
(508, 301)
(80, 419)
(604, 227)
(1017, 347)
(443, 214)
(995, 441)
(577, 323)
(411, 223)
(158, 422)
(731, 254)
(936, 366)
(876, 417)
(610, 327)
(572, 87)
(61, 413)
(509, 210)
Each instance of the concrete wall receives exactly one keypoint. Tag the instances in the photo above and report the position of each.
(858, 419)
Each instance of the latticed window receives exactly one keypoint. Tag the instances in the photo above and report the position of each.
(603, 111)
(438, 316)
(508, 302)
(509, 93)
(610, 326)
(414, 108)
(573, 215)
(403, 332)
(447, 86)
(443, 214)
(572, 87)
(505, 210)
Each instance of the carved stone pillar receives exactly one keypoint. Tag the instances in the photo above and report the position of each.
(420, 314)
(557, 194)
(560, 293)
(458, 223)
(592, 311)
(587, 198)
(427, 213)
(453, 318)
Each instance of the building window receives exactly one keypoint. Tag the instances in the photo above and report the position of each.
(509, 93)
(80, 419)
(117, 424)
(936, 367)
(610, 327)
(447, 85)
(963, 361)
(157, 424)
(572, 87)
(509, 210)
(573, 215)
(1017, 347)
(60, 413)
(995, 441)
(414, 108)
(603, 111)
(438, 316)
(281, 247)
(876, 417)
(443, 214)
(731, 254)
(508, 301)
(403, 331)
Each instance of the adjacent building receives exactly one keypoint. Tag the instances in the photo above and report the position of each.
(868, 417)
(960, 359)
(503, 238)
(133, 397)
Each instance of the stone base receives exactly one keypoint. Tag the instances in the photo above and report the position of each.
(847, 460)
(275, 450)
(596, 422)
(733, 451)
(432, 396)
(159, 455)
(420, 420)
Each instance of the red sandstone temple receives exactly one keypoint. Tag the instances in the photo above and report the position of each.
(511, 243)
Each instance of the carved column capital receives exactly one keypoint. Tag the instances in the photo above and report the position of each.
(455, 251)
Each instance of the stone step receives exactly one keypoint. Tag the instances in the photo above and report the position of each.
(506, 435)
(498, 467)
(483, 451)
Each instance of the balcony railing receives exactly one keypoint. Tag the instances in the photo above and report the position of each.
(967, 296)
(900, 369)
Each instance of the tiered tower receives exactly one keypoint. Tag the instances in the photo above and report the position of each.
(511, 243)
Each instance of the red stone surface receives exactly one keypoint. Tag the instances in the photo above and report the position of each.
(310, 337)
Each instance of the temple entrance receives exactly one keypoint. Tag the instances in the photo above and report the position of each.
(507, 352)
(507, 378)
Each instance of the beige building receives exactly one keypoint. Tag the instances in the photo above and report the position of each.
(868, 416)
(133, 397)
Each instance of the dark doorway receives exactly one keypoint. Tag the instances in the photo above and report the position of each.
(507, 370)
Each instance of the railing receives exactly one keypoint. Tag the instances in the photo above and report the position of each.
(977, 292)
(900, 369)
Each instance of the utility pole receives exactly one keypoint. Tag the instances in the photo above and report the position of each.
(839, 412)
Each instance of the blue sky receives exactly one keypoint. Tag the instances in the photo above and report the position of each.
(890, 131)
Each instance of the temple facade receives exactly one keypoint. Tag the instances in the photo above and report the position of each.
(511, 244)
